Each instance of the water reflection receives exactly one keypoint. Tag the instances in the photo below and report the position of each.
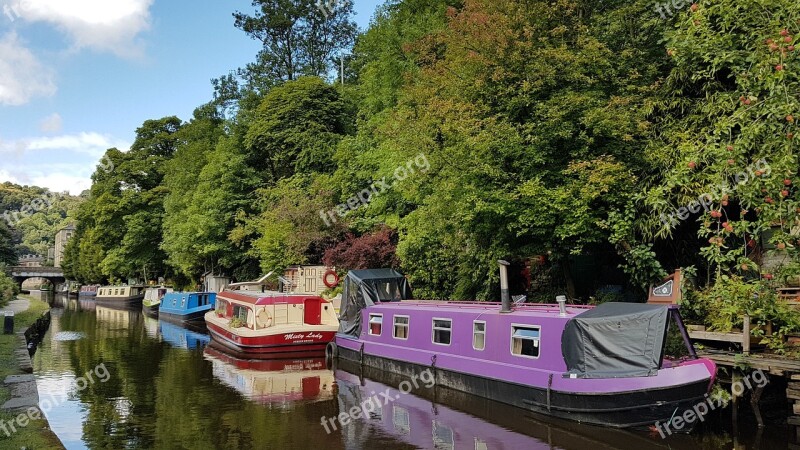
(180, 337)
(277, 383)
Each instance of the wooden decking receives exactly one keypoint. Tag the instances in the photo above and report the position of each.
(773, 364)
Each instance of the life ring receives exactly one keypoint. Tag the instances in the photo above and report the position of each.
(263, 319)
(335, 279)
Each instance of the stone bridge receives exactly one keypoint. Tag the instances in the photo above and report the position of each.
(52, 274)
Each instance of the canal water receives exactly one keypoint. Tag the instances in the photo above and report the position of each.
(115, 379)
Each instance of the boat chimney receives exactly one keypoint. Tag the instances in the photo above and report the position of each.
(562, 305)
(505, 298)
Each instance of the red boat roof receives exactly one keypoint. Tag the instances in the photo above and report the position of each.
(262, 298)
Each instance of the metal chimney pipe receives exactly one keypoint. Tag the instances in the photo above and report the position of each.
(505, 298)
(562, 305)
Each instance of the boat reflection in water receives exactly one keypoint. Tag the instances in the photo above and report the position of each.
(443, 418)
(278, 382)
(186, 337)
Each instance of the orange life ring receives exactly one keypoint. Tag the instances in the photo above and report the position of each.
(335, 278)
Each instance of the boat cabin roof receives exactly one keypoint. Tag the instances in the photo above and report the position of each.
(538, 309)
(264, 298)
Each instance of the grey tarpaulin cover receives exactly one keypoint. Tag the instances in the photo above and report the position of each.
(363, 288)
(615, 340)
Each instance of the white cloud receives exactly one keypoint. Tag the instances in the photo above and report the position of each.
(59, 163)
(51, 124)
(106, 25)
(22, 76)
(93, 144)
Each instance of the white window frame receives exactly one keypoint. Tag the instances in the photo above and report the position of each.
(433, 330)
(369, 324)
(530, 327)
(475, 322)
(407, 324)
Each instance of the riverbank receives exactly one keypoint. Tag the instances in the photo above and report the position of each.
(18, 387)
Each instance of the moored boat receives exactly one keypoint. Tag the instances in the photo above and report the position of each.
(124, 296)
(152, 299)
(186, 306)
(255, 324)
(88, 290)
(603, 365)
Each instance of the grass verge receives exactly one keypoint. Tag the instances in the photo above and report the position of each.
(36, 435)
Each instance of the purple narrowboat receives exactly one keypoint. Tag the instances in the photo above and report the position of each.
(602, 365)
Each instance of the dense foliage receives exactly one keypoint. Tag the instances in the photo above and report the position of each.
(30, 217)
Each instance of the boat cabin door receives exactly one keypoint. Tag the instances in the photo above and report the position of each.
(312, 308)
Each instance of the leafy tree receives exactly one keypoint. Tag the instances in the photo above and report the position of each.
(7, 254)
(298, 38)
(181, 238)
(370, 251)
(296, 129)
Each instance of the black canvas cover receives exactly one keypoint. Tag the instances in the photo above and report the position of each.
(363, 288)
(615, 340)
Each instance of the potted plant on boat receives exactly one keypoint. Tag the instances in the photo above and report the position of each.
(236, 323)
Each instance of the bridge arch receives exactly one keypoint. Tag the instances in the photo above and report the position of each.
(52, 274)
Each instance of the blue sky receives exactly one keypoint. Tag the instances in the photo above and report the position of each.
(79, 76)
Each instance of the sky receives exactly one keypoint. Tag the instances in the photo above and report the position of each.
(79, 76)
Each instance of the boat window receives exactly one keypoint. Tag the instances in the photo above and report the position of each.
(240, 312)
(525, 341)
(401, 327)
(478, 335)
(183, 302)
(442, 329)
(480, 444)
(375, 324)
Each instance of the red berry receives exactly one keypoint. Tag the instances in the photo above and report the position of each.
(781, 245)
(730, 148)
(747, 101)
(692, 164)
(769, 200)
(778, 67)
(784, 32)
(787, 39)
(790, 48)
(787, 182)
(768, 276)
(773, 47)
(785, 193)
(694, 7)
(731, 162)
(790, 118)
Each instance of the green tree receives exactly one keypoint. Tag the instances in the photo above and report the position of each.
(298, 38)
(7, 254)
(183, 238)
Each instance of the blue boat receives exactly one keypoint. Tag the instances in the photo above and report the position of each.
(180, 337)
(186, 306)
